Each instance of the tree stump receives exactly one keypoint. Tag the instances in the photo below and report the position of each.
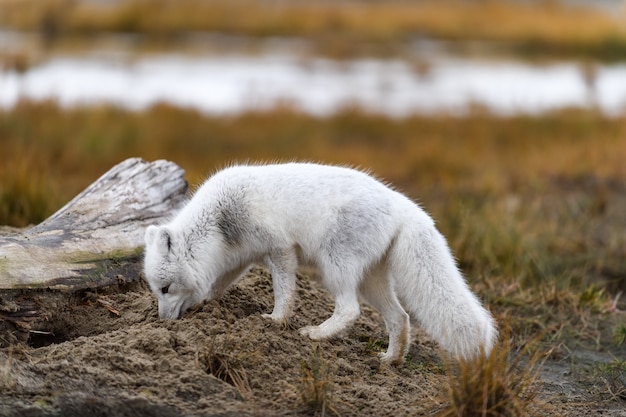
(94, 241)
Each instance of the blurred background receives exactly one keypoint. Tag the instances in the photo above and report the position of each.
(505, 119)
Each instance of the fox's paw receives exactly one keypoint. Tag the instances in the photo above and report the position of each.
(390, 359)
(274, 318)
(314, 332)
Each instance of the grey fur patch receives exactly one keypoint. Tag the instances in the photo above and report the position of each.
(232, 218)
(356, 221)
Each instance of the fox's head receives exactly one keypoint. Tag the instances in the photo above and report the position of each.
(167, 272)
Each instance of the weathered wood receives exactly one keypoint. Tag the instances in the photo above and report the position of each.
(94, 241)
(82, 244)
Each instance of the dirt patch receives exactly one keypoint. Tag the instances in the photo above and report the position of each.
(111, 355)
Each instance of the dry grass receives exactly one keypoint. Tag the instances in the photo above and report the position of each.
(501, 384)
(476, 154)
(337, 27)
(316, 387)
(227, 366)
(26, 196)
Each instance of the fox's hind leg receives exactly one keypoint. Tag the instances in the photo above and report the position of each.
(283, 266)
(377, 291)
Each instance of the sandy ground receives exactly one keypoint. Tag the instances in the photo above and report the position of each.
(111, 356)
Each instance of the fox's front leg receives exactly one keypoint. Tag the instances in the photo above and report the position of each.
(283, 266)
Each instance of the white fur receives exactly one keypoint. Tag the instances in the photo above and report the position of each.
(365, 238)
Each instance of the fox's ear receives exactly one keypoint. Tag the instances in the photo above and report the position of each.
(159, 236)
(150, 234)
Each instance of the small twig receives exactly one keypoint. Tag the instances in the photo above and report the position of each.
(108, 306)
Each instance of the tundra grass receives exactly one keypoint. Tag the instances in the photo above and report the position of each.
(60, 151)
(316, 385)
(501, 384)
(228, 368)
(338, 28)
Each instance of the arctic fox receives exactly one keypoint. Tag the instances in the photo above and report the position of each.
(366, 240)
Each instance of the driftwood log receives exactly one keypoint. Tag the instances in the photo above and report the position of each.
(94, 241)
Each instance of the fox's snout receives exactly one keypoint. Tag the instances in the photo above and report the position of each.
(166, 313)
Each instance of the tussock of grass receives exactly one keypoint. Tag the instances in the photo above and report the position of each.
(498, 385)
(316, 388)
(535, 27)
(228, 367)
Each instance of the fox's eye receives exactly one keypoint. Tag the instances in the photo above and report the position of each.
(165, 290)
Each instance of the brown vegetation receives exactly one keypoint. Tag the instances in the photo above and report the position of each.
(538, 28)
(58, 151)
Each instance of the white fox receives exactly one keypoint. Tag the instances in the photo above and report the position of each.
(365, 238)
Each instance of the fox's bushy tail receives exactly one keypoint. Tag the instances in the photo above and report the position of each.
(432, 289)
